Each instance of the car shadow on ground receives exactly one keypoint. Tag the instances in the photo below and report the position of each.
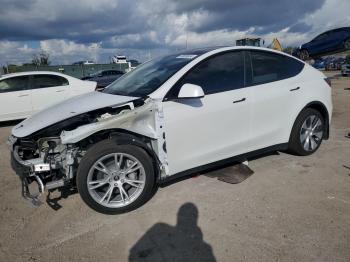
(64, 192)
(221, 172)
(182, 242)
(224, 170)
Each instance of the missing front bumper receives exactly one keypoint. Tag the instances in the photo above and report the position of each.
(26, 172)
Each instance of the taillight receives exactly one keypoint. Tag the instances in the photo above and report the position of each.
(328, 81)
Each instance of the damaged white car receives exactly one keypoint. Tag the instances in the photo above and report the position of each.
(170, 117)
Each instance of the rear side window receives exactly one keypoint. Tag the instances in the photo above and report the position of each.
(220, 73)
(44, 81)
(269, 67)
(13, 84)
(321, 37)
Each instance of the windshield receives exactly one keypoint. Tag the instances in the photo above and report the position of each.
(146, 78)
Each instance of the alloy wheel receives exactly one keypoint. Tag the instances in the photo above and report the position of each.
(347, 44)
(116, 180)
(311, 133)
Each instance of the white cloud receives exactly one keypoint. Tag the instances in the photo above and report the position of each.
(333, 14)
(215, 38)
(67, 51)
(15, 52)
(87, 29)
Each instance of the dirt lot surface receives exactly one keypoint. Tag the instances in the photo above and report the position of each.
(291, 209)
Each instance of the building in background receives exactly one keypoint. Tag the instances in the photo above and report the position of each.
(249, 41)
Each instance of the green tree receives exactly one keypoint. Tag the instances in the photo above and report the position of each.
(41, 59)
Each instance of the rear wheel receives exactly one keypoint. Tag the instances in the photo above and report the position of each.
(115, 178)
(307, 132)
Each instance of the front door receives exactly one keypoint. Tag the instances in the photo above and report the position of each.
(218, 126)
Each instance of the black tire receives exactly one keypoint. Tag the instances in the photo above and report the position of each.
(304, 55)
(104, 148)
(295, 145)
(347, 44)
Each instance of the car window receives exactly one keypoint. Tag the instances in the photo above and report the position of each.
(321, 37)
(269, 67)
(44, 81)
(13, 84)
(149, 76)
(220, 73)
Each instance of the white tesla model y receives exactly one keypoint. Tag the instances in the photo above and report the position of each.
(170, 117)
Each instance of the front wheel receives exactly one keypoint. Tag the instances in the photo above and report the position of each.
(307, 132)
(114, 179)
(304, 54)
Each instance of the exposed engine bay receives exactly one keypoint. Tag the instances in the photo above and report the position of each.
(50, 157)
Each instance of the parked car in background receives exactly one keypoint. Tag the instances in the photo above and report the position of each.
(173, 116)
(334, 63)
(345, 69)
(134, 63)
(319, 64)
(332, 41)
(104, 78)
(22, 94)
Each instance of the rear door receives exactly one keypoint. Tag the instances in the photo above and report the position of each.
(15, 98)
(48, 90)
(275, 92)
(215, 127)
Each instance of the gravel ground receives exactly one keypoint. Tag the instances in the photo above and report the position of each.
(291, 209)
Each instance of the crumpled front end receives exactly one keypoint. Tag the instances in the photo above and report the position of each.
(50, 157)
(46, 162)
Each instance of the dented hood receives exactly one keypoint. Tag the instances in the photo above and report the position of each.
(67, 109)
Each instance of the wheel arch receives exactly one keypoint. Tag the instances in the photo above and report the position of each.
(320, 107)
(126, 137)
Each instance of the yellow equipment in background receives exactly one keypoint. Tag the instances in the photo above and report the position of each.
(276, 45)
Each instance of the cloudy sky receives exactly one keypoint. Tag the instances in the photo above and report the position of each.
(72, 30)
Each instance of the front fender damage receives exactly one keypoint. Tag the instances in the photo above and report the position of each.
(51, 158)
(139, 120)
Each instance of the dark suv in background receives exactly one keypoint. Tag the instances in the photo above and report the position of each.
(104, 78)
(332, 41)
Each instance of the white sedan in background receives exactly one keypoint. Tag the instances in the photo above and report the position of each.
(23, 94)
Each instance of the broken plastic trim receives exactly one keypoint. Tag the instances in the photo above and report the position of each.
(146, 120)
